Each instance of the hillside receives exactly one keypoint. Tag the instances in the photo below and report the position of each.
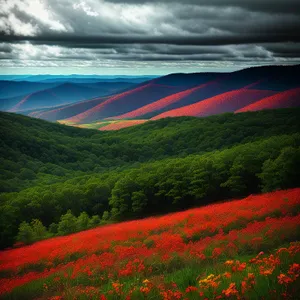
(65, 111)
(83, 101)
(243, 249)
(196, 94)
(226, 102)
(162, 103)
(10, 89)
(290, 98)
(124, 102)
(63, 94)
(160, 166)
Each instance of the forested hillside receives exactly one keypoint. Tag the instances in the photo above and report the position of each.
(160, 166)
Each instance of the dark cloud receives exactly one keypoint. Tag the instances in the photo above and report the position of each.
(123, 31)
(270, 6)
(225, 39)
(5, 48)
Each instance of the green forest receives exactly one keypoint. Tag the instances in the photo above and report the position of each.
(57, 179)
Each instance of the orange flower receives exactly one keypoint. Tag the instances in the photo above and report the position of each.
(244, 286)
(227, 274)
(210, 281)
(251, 279)
(191, 289)
(229, 262)
(283, 279)
(216, 252)
(145, 290)
(201, 256)
(282, 250)
(231, 290)
(117, 287)
(294, 270)
(241, 267)
(266, 272)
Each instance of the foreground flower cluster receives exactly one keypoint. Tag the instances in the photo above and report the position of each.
(242, 249)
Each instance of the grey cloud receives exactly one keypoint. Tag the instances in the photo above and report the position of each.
(4, 48)
(281, 6)
(171, 31)
(225, 39)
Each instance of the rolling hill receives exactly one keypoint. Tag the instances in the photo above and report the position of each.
(65, 111)
(11, 89)
(175, 163)
(225, 102)
(196, 94)
(289, 98)
(188, 193)
(125, 102)
(165, 102)
(192, 95)
(65, 93)
(28, 93)
(208, 202)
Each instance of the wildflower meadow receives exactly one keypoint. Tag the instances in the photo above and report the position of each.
(239, 249)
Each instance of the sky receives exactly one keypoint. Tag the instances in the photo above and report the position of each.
(136, 37)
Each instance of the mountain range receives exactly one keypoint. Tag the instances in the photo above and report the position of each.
(109, 103)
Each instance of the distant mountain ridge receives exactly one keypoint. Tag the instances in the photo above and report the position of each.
(76, 78)
(179, 94)
(21, 96)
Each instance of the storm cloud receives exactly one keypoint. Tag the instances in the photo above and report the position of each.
(155, 36)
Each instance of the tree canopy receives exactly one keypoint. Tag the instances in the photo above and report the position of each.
(68, 178)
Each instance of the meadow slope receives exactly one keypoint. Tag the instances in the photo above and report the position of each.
(242, 249)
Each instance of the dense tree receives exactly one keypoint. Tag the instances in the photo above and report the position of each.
(283, 171)
(154, 168)
(53, 228)
(39, 230)
(29, 233)
(139, 202)
(67, 223)
(94, 221)
(82, 222)
(25, 234)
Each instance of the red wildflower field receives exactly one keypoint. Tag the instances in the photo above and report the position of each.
(242, 249)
